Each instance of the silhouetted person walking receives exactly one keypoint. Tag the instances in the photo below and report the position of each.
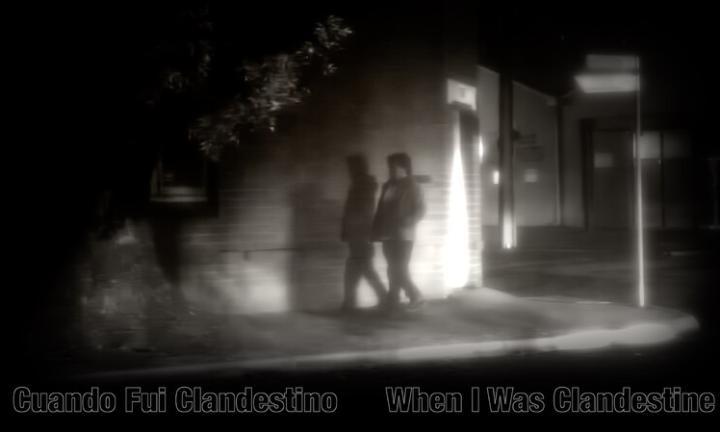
(357, 232)
(400, 208)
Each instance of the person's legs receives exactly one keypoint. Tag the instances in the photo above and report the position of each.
(404, 255)
(353, 271)
(390, 250)
(368, 271)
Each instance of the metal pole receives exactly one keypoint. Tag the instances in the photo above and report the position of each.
(714, 163)
(639, 194)
(559, 166)
(507, 209)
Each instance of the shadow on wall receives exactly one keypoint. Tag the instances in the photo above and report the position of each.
(195, 275)
(166, 232)
(316, 265)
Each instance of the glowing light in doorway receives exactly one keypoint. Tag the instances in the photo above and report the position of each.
(508, 232)
(481, 148)
(496, 177)
(457, 246)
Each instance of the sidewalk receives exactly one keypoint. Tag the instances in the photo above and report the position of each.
(537, 300)
(481, 322)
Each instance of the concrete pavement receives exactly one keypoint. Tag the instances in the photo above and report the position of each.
(480, 322)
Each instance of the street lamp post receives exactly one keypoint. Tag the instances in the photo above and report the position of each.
(639, 190)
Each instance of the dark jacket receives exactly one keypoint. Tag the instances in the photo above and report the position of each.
(397, 215)
(359, 207)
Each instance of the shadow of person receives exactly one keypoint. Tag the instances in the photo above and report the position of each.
(309, 287)
(166, 238)
(356, 232)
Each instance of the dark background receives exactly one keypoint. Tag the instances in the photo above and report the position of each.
(76, 66)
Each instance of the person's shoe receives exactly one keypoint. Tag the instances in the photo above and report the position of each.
(389, 308)
(347, 309)
(416, 304)
(382, 303)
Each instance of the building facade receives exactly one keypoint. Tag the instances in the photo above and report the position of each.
(273, 242)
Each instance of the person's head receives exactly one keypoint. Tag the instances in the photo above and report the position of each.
(357, 165)
(399, 165)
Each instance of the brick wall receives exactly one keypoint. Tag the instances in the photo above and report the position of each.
(275, 245)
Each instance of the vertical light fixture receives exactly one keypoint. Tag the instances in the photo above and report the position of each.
(456, 267)
(507, 156)
(477, 276)
(457, 246)
(508, 232)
